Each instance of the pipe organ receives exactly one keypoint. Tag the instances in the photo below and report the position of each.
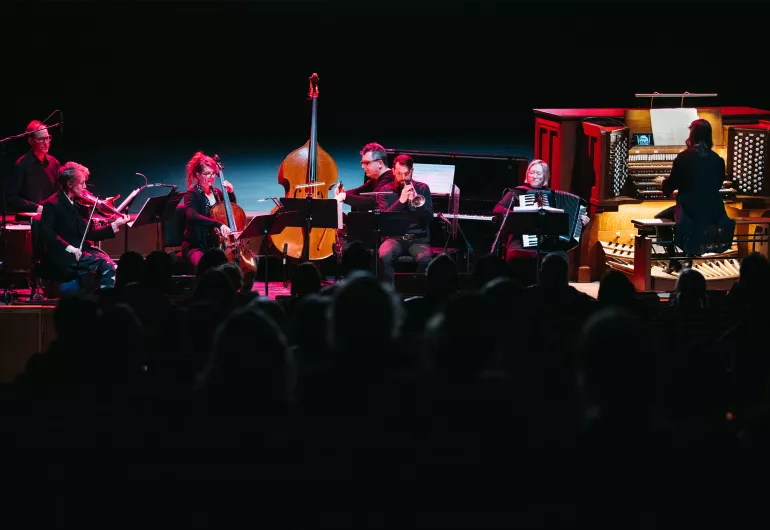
(616, 175)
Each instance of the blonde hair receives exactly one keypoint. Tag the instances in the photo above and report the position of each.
(198, 162)
(546, 171)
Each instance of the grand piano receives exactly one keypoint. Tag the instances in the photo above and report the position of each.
(605, 156)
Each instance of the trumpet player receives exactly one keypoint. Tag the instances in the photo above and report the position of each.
(413, 197)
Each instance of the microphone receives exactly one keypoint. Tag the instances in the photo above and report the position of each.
(61, 121)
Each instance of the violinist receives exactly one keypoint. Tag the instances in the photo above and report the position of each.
(34, 174)
(66, 230)
(200, 232)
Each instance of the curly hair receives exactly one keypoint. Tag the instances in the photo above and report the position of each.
(198, 162)
(69, 171)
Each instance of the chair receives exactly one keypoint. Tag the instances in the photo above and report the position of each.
(173, 234)
(43, 286)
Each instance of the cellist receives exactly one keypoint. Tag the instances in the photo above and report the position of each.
(201, 196)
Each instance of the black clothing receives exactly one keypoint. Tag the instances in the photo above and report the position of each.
(421, 216)
(702, 224)
(32, 182)
(363, 203)
(416, 241)
(199, 227)
(63, 225)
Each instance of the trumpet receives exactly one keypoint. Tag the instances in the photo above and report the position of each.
(415, 200)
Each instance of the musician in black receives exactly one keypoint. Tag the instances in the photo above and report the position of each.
(63, 224)
(697, 174)
(35, 174)
(201, 196)
(406, 198)
(537, 178)
(377, 176)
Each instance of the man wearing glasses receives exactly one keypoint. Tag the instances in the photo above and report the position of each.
(378, 176)
(34, 174)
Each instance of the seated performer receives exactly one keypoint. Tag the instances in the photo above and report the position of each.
(34, 174)
(63, 224)
(201, 196)
(416, 241)
(697, 173)
(377, 176)
(537, 178)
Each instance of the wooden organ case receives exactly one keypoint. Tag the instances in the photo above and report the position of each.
(617, 178)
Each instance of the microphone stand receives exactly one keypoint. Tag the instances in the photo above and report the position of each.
(508, 210)
(468, 248)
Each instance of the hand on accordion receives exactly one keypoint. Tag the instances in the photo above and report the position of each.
(584, 219)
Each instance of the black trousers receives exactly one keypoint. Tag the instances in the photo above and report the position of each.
(666, 233)
(393, 248)
(93, 260)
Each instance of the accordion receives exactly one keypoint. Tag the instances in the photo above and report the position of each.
(554, 201)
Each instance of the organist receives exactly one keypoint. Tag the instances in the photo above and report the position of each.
(521, 247)
(697, 175)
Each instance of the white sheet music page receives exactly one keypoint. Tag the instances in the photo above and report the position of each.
(672, 126)
(438, 177)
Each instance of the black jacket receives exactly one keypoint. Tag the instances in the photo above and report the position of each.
(62, 224)
(199, 229)
(421, 216)
(362, 203)
(702, 224)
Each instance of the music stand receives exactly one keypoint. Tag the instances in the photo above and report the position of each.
(361, 225)
(263, 226)
(540, 222)
(156, 210)
(310, 213)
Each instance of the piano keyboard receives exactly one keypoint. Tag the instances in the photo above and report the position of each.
(466, 217)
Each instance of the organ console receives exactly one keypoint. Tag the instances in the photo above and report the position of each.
(617, 176)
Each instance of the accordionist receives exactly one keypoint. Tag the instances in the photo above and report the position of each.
(527, 197)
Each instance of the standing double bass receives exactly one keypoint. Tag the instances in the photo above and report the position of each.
(306, 172)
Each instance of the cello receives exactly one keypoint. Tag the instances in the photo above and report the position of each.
(306, 173)
(232, 215)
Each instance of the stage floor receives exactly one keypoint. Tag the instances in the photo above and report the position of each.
(277, 289)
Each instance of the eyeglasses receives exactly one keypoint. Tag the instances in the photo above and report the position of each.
(208, 175)
(44, 139)
(365, 163)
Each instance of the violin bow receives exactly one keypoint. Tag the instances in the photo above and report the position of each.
(90, 217)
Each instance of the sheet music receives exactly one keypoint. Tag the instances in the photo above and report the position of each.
(438, 177)
(128, 199)
(672, 126)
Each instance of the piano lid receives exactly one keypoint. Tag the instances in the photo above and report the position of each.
(479, 176)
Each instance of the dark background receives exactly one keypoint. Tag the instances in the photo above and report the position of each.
(143, 86)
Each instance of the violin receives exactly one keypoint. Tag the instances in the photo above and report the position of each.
(105, 207)
(231, 215)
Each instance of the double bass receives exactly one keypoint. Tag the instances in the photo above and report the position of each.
(307, 172)
(232, 215)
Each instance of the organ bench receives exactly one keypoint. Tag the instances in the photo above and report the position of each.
(720, 270)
